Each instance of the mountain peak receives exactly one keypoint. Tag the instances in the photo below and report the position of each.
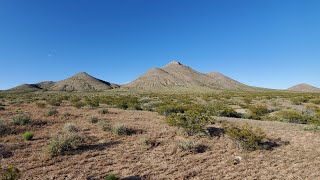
(304, 88)
(174, 63)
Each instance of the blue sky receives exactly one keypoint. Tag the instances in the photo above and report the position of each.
(266, 43)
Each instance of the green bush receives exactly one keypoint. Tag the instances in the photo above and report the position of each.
(10, 173)
(56, 101)
(299, 100)
(120, 130)
(246, 137)
(21, 119)
(78, 104)
(52, 112)
(93, 103)
(290, 116)
(103, 111)
(112, 177)
(147, 141)
(189, 146)
(257, 112)
(167, 110)
(41, 104)
(93, 120)
(229, 112)
(104, 126)
(60, 144)
(27, 136)
(127, 102)
(191, 121)
(70, 128)
(3, 127)
(315, 101)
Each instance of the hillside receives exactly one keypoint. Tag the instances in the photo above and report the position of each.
(176, 74)
(82, 82)
(25, 88)
(304, 88)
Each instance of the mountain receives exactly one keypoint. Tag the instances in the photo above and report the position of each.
(25, 88)
(82, 82)
(304, 88)
(45, 84)
(33, 87)
(176, 74)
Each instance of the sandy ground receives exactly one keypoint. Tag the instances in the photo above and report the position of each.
(125, 156)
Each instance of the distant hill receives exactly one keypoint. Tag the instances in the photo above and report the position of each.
(33, 87)
(176, 74)
(25, 87)
(82, 82)
(304, 88)
(79, 82)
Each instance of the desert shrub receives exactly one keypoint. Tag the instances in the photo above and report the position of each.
(27, 136)
(315, 119)
(290, 116)
(51, 112)
(313, 107)
(70, 128)
(191, 121)
(93, 120)
(147, 141)
(41, 104)
(120, 130)
(78, 104)
(2, 108)
(10, 173)
(55, 101)
(189, 146)
(315, 101)
(62, 143)
(313, 128)
(3, 127)
(21, 119)
(112, 176)
(257, 112)
(93, 103)
(127, 102)
(299, 100)
(246, 137)
(103, 111)
(247, 100)
(104, 126)
(229, 112)
(65, 115)
(167, 110)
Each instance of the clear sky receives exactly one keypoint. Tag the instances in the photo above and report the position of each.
(266, 43)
